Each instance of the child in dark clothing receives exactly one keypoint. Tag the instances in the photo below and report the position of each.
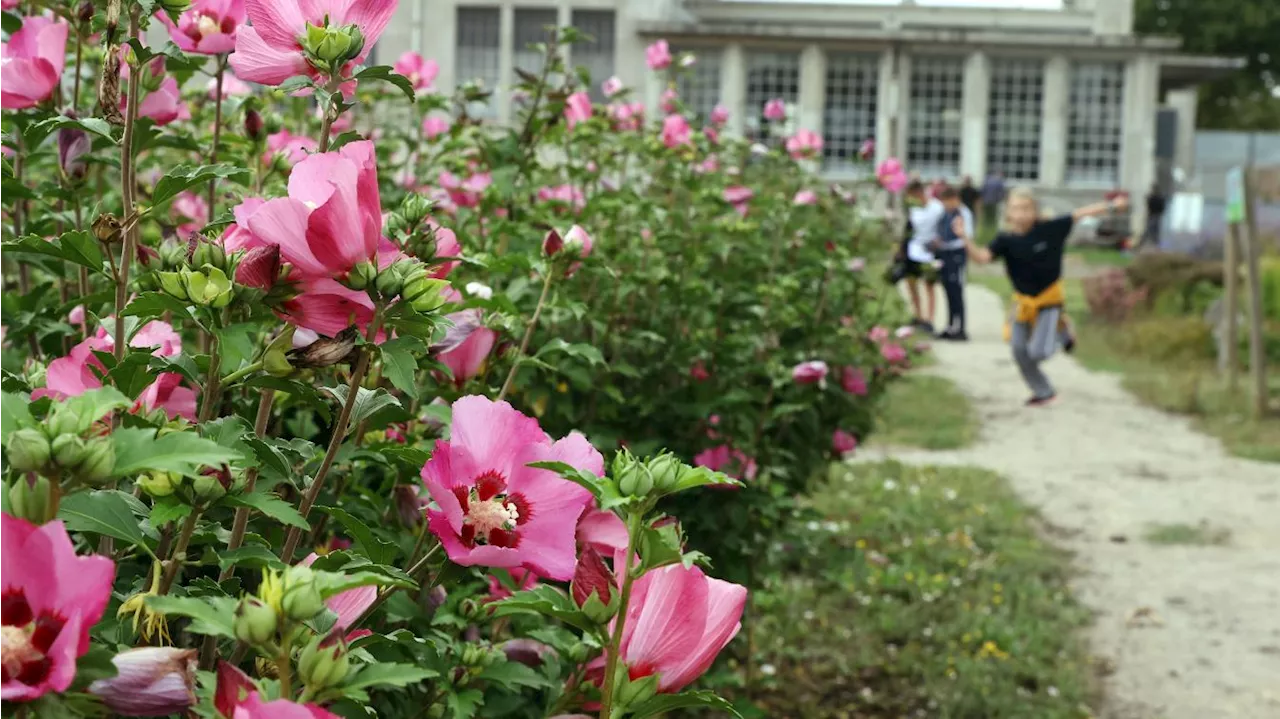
(1032, 251)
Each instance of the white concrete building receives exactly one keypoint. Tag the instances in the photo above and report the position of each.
(1056, 94)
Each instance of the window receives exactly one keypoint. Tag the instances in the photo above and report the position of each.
(1013, 118)
(933, 128)
(1096, 122)
(850, 115)
(478, 51)
(597, 55)
(770, 75)
(532, 26)
(699, 86)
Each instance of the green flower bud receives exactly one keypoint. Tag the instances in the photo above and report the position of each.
(35, 373)
(390, 280)
(633, 692)
(207, 488)
(396, 224)
(171, 284)
(324, 663)
(362, 275)
(159, 484)
(63, 421)
(210, 286)
(255, 622)
(28, 450)
(329, 48)
(472, 655)
(209, 253)
(69, 450)
(276, 359)
(175, 6)
(415, 209)
(301, 599)
(635, 481)
(665, 470)
(35, 500)
(97, 467)
(425, 294)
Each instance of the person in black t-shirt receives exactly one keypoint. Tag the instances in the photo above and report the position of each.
(1032, 251)
(1156, 204)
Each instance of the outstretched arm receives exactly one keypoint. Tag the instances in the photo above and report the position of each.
(1120, 204)
(981, 255)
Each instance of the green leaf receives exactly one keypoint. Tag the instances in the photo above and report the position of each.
(15, 413)
(155, 304)
(515, 674)
(378, 551)
(253, 556)
(186, 176)
(105, 512)
(93, 125)
(168, 509)
(368, 402)
(94, 405)
(605, 491)
(547, 601)
(399, 364)
(138, 450)
(580, 350)
(331, 583)
(94, 665)
(387, 74)
(690, 477)
(212, 615)
(389, 675)
(77, 247)
(272, 506)
(659, 547)
(305, 393)
(664, 703)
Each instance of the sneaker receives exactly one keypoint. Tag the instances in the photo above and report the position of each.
(1069, 344)
(1042, 401)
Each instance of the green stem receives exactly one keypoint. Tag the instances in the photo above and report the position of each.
(211, 381)
(339, 433)
(217, 130)
(528, 332)
(619, 625)
(127, 186)
(284, 666)
(241, 374)
(178, 555)
(385, 594)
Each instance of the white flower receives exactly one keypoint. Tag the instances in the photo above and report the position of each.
(1052, 691)
(768, 670)
(890, 485)
(951, 494)
(903, 332)
(758, 149)
(477, 289)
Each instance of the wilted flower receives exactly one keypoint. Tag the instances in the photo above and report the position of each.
(150, 681)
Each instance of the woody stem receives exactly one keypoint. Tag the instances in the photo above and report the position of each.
(619, 625)
(528, 334)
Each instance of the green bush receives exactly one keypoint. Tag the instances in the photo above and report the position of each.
(1170, 340)
(1271, 287)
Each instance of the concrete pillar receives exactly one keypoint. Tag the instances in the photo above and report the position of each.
(813, 87)
(564, 18)
(399, 36)
(1138, 142)
(501, 98)
(1184, 102)
(977, 100)
(1113, 17)
(733, 87)
(1053, 125)
(887, 107)
(437, 34)
(628, 54)
(902, 91)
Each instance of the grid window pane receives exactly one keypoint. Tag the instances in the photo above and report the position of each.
(1096, 123)
(596, 56)
(532, 26)
(933, 128)
(699, 86)
(477, 52)
(850, 115)
(770, 75)
(1013, 119)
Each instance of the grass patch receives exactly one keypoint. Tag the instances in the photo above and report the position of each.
(926, 411)
(920, 592)
(1100, 256)
(1187, 534)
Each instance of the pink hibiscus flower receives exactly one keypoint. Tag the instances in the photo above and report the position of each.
(466, 345)
(675, 131)
(32, 64)
(269, 51)
(775, 109)
(294, 148)
(348, 605)
(853, 381)
(726, 459)
(495, 510)
(498, 590)
(805, 197)
(237, 235)
(577, 108)
(719, 115)
(420, 71)
(677, 622)
(51, 598)
(434, 126)
(168, 394)
(236, 697)
(804, 144)
(658, 55)
(208, 27)
(893, 352)
(809, 372)
(842, 442)
(332, 218)
(327, 307)
(465, 193)
(191, 212)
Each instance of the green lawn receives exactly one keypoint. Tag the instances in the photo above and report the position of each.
(920, 592)
(926, 411)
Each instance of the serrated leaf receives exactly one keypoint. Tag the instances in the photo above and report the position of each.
(664, 703)
(331, 583)
(139, 450)
(183, 177)
(272, 506)
(368, 403)
(93, 405)
(377, 550)
(580, 350)
(399, 364)
(390, 675)
(515, 674)
(251, 556)
(387, 74)
(93, 125)
(105, 512)
(15, 413)
(168, 509)
(211, 615)
(77, 247)
(547, 601)
(155, 304)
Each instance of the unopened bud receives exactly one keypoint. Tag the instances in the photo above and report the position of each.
(171, 284)
(425, 294)
(390, 280)
(97, 467)
(415, 208)
(665, 470)
(253, 125)
(259, 268)
(73, 145)
(28, 450)
(276, 359)
(636, 481)
(150, 681)
(255, 622)
(175, 6)
(209, 253)
(324, 663)
(301, 599)
(528, 652)
(34, 498)
(207, 488)
(64, 420)
(552, 243)
(362, 275)
(68, 450)
(158, 484)
(592, 587)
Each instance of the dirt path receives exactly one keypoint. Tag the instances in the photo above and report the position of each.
(1193, 632)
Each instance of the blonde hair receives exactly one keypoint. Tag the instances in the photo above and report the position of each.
(1018, 193)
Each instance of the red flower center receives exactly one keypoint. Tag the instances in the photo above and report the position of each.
(26, 639)
(491, 516)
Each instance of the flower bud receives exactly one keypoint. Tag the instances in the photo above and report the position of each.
(209, 253)
(97, 467)
(301, 599)
(68, 450)
(174, 6)
(635, 481)
(158, 484)
(325, 351)
(28, 450)
(552, 243)
(362, 275)
(106, 227)
(34, 498)
(437, 597)
(528, 652)
(414, 209)
(64, 420)
(665, 470)
(408, 505)
(577, 241)
(255, 622)
(149, 681)
(324, 663)
(73, 145)
(391, 280)
(259, 268)
(329, 47)
(253, 125)
(209, 286)
(85, 13)
(592, 587)
(276, 359)
(171, 284)
(425, 294)
(207, 488)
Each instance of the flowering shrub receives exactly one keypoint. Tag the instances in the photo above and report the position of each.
(312, 417)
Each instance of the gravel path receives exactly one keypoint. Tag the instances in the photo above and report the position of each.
(1183, 631)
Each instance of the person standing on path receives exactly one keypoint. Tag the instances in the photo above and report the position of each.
(954, 228)
(969, 195)
(923, 216)
(993, 193)
(1032, 251)
(1156, 204)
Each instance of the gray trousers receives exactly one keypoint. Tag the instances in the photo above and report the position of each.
(1033, 344)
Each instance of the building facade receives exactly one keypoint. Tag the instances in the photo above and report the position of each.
(1055, 94)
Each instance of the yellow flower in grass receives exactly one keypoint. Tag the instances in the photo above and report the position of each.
(992, 650)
